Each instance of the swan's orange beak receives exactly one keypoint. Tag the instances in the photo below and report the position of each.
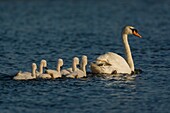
(137, 34)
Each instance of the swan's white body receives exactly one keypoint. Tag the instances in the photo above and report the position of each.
(110, 62)
(108, 65)
(77, 73)
(42, 75)
(27, 75)
(56, 73)
(67, 71)
(45, 76)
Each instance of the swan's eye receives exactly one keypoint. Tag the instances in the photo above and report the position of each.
(134, 30)
(100, 64)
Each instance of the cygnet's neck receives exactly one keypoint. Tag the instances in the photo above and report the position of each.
(58, 67)
(83, 67)
(33, 71)
(41, 68)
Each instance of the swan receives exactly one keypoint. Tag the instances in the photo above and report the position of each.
(110, 62)
(77, 73)
(41, 74)
(68, 71)
(83, 63)
(27, 75)
(82, 67)
(56, 73)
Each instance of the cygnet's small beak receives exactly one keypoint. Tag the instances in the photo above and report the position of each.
(137, 34)
(78, 66)
(46, 68)
(61, 67)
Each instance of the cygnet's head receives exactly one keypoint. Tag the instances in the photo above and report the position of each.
(34, 66)
(131, 30)
(76, 60)
(84, 60)
(44, 63)
(60, 62)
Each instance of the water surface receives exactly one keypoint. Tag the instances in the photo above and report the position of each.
(35, 30)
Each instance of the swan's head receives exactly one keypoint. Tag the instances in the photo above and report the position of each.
(60, 62)
(76, 60)
(44, 63)
(84, 60)
(34, 66)
(131, 30)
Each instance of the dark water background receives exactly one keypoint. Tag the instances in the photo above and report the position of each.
(46, 29)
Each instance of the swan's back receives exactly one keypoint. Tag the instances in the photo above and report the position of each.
(66, 71)
(54, 73)
(44, 76)
(77, 74)
(24, 76)
(114, 60)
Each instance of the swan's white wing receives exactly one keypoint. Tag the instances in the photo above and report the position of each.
(44, 76)
(113, 62)
(77, 74)
(102, 69)
(57, 75)
(54, 73)
(66, 71)
(24, 76)
(50, 71)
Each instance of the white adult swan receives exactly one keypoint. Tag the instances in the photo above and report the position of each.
(77, 73)
(27, 75)
(41, 74)
(110, 62)
(56, 73)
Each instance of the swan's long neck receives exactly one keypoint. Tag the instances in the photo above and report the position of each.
(129, 58)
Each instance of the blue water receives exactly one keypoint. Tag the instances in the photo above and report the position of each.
(34, 30)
